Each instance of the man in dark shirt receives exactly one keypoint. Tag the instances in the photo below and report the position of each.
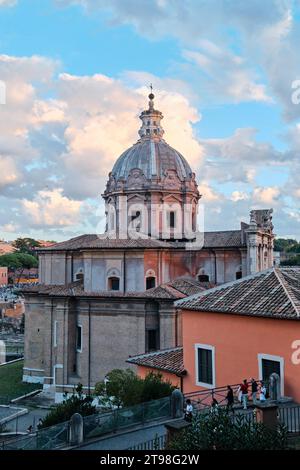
(230, 399)
(254, 388)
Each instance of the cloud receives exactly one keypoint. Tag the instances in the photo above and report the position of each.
(266, 196)
(228, 74)
(239, 51)
(66, 131)
(52, 209)
(8, 3)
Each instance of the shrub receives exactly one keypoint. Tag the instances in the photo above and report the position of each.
(218, 431)
(125, 388)
(76, 403)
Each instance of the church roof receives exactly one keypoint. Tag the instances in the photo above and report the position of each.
(218, 239)
(274, 293)
(170, 360)
(174, 290)
(91, 241)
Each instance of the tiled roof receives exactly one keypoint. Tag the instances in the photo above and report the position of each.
(272, 293)
(220, 239)
(99, 241)
(170, 360)
(175, 290)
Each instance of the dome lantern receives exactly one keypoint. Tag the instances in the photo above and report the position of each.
(151, 126)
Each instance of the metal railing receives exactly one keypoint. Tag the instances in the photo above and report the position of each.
(158, 443)
(203, 399)
(99, 424)
(290, 417)
(95, 425)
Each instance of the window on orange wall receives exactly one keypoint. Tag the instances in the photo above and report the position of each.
(205, 366)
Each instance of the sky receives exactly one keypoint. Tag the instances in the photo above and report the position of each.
(75, 75)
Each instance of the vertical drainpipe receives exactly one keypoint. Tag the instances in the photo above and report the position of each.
(72, 267)
(215, 264)
(89, 365)
(181, 383)
(124, 272)
(51, 342)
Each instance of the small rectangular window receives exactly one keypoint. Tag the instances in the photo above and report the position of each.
(171, 218)
(205, 366)
(152, 340)
(79, 338)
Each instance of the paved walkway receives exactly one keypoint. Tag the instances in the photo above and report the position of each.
(21, 423)
(129, 439)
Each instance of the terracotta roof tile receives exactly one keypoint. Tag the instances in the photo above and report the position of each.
(173, 290)
(220, 239)
(272, 293)
(170, 360)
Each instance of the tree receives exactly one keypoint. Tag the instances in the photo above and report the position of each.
(76, 403)
(17, 262)
(219, 431)
(125, 388)
(294, 261)
(26, 245)
(284, 244)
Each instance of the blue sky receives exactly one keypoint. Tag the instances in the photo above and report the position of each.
(222, 73)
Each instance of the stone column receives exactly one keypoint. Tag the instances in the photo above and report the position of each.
(266, 413)
(76, 429)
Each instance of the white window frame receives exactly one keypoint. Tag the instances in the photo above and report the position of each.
(55, 333)
(79, 326)
(271, 357)
(210, 348)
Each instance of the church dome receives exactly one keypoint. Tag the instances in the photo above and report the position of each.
(151, 163)
(154, 159)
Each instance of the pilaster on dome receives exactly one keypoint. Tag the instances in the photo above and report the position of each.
(151, 126)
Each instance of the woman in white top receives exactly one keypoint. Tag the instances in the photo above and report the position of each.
(262, 392)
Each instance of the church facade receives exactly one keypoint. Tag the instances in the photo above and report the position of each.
(103, 298)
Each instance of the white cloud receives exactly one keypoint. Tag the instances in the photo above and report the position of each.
(239, 196)
(265, 34)
(52, 208)
(266, 196)
(8, 3)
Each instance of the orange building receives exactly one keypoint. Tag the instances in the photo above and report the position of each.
(168, 362)
(247, 328)
(3, 276)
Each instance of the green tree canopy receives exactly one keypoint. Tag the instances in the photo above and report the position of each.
(125, 388)
(294, 261)
(26, 245)
(286, 244)
(18, 261)
(219, 431)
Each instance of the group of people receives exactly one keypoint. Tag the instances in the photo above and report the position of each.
(258, 392)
